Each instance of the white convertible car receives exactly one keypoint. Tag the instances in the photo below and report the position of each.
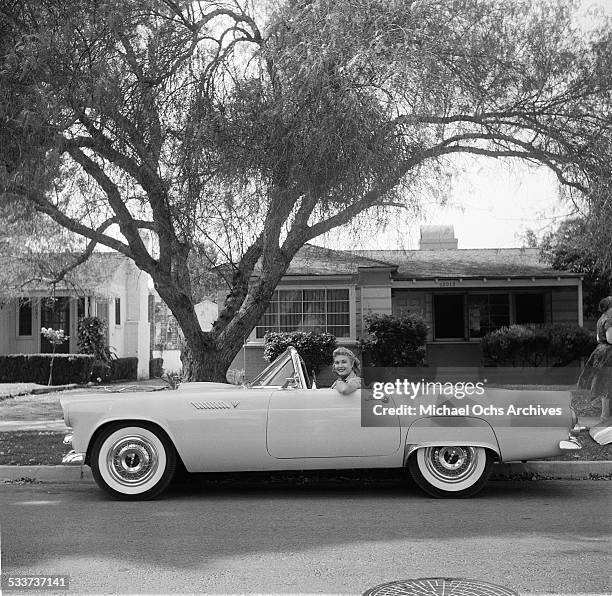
(134, 441)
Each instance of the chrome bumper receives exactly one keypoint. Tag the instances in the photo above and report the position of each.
(570, 444)
(72, 458)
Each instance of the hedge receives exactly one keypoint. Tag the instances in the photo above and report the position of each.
(316, 349)
(537, 345)
(156, 368)
(394, 340)
(116, 369)
(124, 368)
(34, 368)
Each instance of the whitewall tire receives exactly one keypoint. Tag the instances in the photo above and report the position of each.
(451, 471)
(133, 461)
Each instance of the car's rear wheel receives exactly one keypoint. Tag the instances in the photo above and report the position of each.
(451, 471)
(131, 461)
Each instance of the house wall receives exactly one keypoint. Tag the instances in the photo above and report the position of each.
(561, 306)
(136, 332)
(129, 338)
(564, 306)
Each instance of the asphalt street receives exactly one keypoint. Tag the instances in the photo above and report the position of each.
(538, 537)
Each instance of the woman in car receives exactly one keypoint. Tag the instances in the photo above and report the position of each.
(347, 367)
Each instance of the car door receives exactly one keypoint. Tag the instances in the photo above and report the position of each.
(306, 423)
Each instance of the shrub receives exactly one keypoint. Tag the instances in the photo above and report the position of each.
(116, 369)
(35, 368)
(101, 372)
(91, 338)
(156, 368)
(315, 348)
(124, 368)
(395, 340)
(537, 345)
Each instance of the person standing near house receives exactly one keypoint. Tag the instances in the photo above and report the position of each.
(347, 367)
(597, 372)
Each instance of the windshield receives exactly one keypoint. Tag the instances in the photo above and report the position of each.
(276, 373)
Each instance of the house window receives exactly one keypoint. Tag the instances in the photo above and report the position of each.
(315, 310)
(25, 317)
(449, 316)
(530, 308)
(487, 312)
(117, 311)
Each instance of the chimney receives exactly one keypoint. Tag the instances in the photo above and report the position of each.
(437, 238)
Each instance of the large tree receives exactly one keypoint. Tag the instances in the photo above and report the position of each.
(256, 127)
(576, 246)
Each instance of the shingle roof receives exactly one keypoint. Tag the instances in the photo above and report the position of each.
(93, 276)
(465, 262)
(316, 260)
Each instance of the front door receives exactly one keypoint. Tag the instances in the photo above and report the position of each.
(55, 313)
(306, 423)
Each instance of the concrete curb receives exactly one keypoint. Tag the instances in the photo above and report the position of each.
(567, 470)
(534, 470)
(46, 473)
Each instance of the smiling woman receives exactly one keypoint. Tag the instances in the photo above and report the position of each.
(347, 367)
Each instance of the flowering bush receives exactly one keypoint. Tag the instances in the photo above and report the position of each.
(56, 337)
(92, 339)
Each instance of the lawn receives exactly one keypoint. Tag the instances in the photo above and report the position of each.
(31, 448)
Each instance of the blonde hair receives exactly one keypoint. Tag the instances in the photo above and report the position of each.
(342, 351)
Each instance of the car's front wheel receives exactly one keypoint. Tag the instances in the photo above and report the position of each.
(451, 471)
(132, 461)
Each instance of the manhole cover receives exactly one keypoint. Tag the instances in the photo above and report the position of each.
(439, 586)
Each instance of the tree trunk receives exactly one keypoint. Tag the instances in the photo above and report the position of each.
(209, 364)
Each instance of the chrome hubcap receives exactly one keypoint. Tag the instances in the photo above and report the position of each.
(451, 464)
(132, 460)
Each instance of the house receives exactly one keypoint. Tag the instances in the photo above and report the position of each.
(165, 332)
(108, 285)
(462, 294)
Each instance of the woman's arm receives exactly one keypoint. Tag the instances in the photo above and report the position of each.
(347, 387)
(609, 335)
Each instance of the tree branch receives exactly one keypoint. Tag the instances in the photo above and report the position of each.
(86, 254)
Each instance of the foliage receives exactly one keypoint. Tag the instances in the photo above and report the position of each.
(124, 368)
(56, 337)
(156, 368)
(537, 345)
(315, 348)
(574, 247)
(36, 368)
(92, 338)
(395, 340)
(114, 370)
(255, 128)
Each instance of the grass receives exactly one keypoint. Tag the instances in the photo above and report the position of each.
(8, 390)
(31, 448)
(591, 451)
